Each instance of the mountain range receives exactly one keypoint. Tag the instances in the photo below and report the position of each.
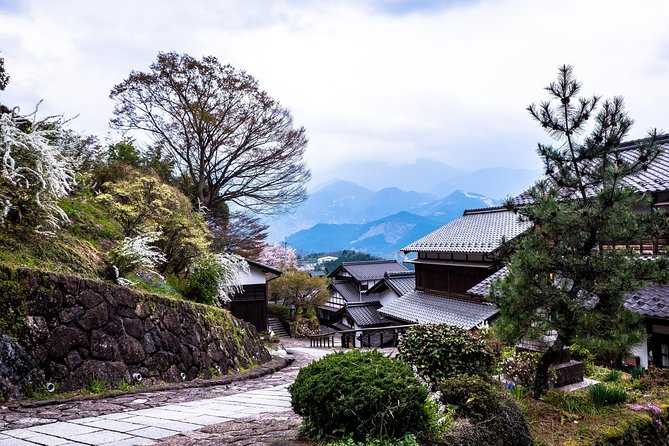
(384, 236)
(434, 177)
(377, 207)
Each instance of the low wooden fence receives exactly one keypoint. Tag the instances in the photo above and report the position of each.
(361, 337)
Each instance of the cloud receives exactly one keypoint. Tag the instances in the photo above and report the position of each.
(11, 6)
(391, 79)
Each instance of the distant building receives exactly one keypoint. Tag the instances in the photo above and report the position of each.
(351, 304)
(325, 259)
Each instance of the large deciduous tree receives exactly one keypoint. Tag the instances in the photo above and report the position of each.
(230, 139)
(240, 233)
(564, 282)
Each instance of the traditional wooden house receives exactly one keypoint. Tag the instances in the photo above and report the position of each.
(251, 304)
(451, 260)
(351, 304)
(456, 265)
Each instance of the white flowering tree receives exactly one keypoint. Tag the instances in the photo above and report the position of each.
(137, 254)
(214, 279)
(278, 256)
(34, 173)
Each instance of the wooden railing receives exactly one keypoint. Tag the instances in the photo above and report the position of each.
(365, 337)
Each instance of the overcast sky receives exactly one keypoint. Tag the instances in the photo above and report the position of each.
(369, 79)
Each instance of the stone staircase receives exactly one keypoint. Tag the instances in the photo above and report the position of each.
(277, 327)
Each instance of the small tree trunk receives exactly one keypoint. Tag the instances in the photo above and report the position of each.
(541, 376)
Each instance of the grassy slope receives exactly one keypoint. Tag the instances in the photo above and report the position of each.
(80, 247)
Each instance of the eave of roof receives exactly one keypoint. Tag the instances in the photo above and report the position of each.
(451, 263)
(368, 269)
(265, 268)
(482, 289)
(424, 308)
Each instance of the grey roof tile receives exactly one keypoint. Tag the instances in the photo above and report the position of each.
(474, 232)
(650, 301)
(365, 315)
(351, 294)
(401, 282)
(653, 179)
(423, 308)
(482, 288)
(370, 269)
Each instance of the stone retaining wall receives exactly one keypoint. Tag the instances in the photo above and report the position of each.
(79, 329)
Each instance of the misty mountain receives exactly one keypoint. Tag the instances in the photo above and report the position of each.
(385, 236)
(436, 178)
(421, 175)
(346, 202)
(496, 182)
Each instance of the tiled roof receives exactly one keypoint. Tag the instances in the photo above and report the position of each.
(656, 177)
(650, 301)
(482, 288)
(401, 282)
(474, 232)
(351, 294)
(424, 308)
(364, 315)
(369, 270)
(653, 179)
(263, 267)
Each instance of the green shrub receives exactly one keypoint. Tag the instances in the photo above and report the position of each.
(504, 426)
(359, 394)
(441, 351)
(304, 327)
(407, 440)
(474, 397)
(636, 373)
(202, 283)
(613, 376)
(584, 355)
(603, 395)
(521, 369)
(571, 402)
(281, 311)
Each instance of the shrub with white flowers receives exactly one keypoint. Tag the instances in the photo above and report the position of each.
(34, 172)
(137, 254)
(213, 279)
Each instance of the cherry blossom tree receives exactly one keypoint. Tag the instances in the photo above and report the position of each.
(278, 256)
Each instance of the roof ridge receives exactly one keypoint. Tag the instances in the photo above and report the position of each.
(367, 262)
(485, 210)
(400, 273)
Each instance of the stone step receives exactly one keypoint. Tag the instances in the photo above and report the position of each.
(277, 327)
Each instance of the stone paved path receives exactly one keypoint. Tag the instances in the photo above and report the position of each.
(139, 419)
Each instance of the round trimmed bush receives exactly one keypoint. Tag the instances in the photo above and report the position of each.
(359, 394)
(441, 351)
(485, 416)
(474, 397)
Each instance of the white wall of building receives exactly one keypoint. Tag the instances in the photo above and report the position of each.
(254, 277)
(641, 350)
(387, 296)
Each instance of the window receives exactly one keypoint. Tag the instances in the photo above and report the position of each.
(664, 351)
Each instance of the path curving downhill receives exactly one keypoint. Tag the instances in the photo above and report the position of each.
(235, 414)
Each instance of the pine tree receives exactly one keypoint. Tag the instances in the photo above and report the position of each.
(564, 282)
